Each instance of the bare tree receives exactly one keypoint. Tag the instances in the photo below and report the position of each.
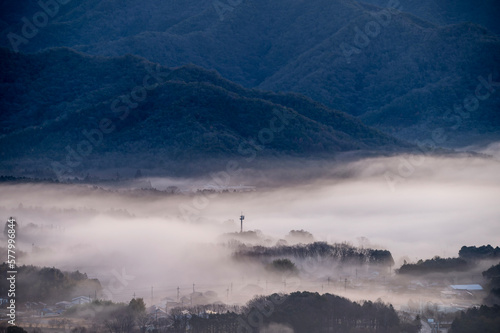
(121, 323)
(142, 321)
(96, 328)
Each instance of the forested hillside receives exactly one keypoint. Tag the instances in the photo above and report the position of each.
(400, 73)
(67, 111)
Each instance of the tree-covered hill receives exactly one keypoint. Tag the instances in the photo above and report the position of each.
(468, 258)
(329, 253)
(75, 110)
(435, 265)
(446, 12)
(484, 252)
(483, 319)
(301, 312)
(396, 71)
(48, 284)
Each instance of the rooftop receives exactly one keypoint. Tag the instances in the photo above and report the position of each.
(466, 287)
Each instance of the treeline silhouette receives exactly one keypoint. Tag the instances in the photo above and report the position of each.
(301, 312)
(484, 252)
(434, 265)
(492, 276)
(483, 319)
(468, 256)
(340, 252)
(48, 285)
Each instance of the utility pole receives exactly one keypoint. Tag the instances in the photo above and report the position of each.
(345, 284)
(177, 294)
(193, 287)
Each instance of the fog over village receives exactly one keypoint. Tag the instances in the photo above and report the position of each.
(250, 166)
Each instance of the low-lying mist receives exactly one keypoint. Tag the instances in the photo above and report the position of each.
(148, 242)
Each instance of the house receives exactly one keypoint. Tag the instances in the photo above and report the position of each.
(168, 303)
(64, 305)
(156, 312)
(81, 300)
(48, 312)
(206, 314)
(467, 291)
(35, 306)
(467, 287)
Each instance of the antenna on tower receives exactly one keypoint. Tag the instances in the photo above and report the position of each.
(242, 217)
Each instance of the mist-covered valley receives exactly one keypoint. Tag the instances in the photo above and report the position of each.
(148, 242)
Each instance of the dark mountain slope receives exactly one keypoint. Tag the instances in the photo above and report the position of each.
(55, 100)
(396, 71)
(423, 80)
(444, 12)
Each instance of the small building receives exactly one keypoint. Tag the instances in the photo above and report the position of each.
(467, 287)
(156, 312)
(467, 291)
(49, 312)
(81, 300)
(35, 306)
(168, 303)
(64, 305)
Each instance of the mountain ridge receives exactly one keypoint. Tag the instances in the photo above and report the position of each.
(190, 113)
(322, 49)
